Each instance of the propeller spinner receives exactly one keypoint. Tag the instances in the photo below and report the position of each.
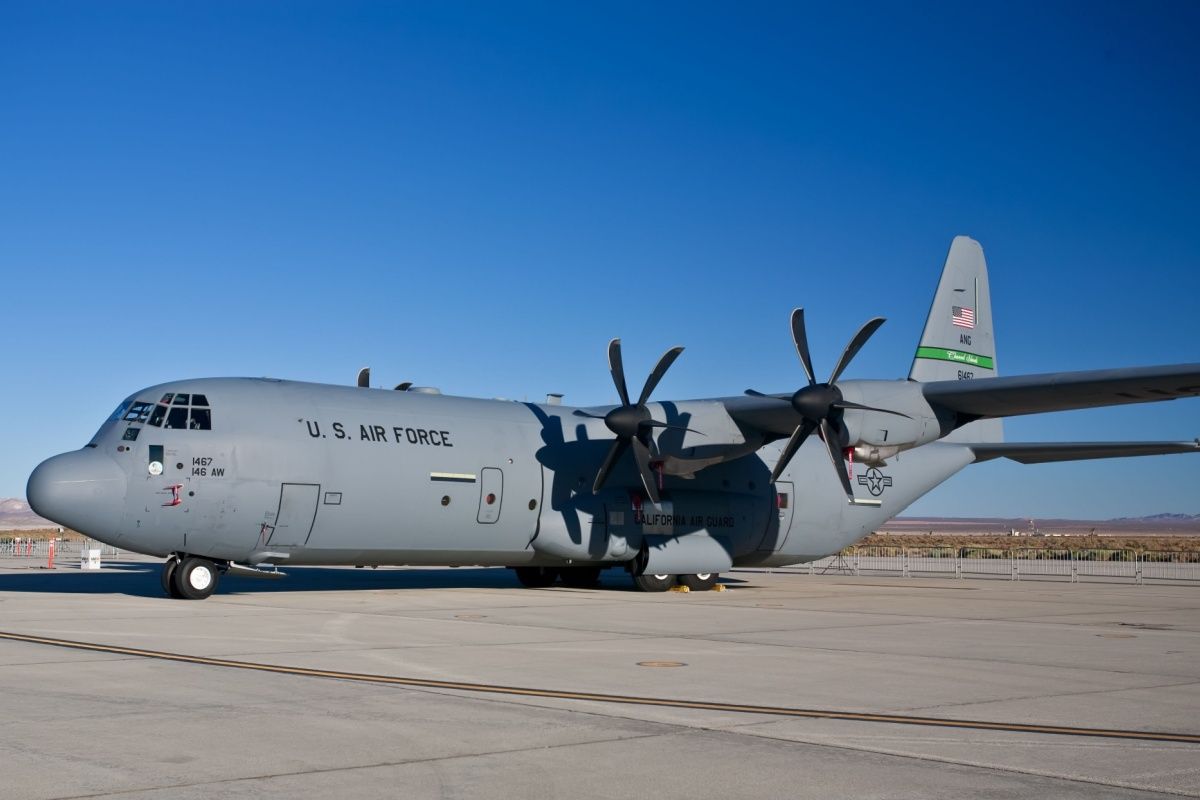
(631, 422)
(820, 405)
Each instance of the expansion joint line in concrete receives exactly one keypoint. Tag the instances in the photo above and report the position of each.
(597, 697)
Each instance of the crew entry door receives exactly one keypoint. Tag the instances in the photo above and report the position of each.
(777, 529)
(491, 493)
(296, 515)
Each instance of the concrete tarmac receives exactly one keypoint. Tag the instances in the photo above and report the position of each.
(98, 724)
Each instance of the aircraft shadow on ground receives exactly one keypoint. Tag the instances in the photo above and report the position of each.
(142, 580)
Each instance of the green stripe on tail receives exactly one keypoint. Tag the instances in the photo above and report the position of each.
(959, 356)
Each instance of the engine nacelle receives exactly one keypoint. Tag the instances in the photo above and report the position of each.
(873, 455)
(876, 436)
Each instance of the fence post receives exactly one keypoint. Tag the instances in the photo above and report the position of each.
(1137, 568)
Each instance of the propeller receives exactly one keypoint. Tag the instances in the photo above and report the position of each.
(364, 381)
(631, 422)
(820, 405)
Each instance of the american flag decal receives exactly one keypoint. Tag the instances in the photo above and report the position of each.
(963, 317)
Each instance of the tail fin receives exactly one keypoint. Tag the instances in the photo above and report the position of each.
(958, 342)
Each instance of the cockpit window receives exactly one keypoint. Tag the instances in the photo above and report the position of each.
(120, 412)
(138, 412)
(160, 413)
(173, 412)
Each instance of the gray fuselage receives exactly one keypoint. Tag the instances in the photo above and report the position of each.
(281, 472)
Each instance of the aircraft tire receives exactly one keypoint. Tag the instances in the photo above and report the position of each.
(536, 577)
(168, 578)
(580, 577)
(699, 583)
(654, 583)
(196, 578)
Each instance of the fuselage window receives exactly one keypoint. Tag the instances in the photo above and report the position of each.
(180, 400)
(156, 419)
(166, 401)
(177, 418)
(201, 419)
(199, 400)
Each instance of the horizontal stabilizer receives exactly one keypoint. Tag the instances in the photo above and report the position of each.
(1062, 391)
(1046, 452)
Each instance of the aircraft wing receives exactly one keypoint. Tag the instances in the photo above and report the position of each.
(1061, 391)
(1045, 452)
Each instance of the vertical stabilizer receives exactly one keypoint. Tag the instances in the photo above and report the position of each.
(958, 342)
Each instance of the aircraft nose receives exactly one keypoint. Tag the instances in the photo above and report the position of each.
(83, 490)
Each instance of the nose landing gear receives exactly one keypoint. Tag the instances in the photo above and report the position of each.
(190, 577)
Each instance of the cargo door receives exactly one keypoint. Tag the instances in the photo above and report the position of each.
(296, 515)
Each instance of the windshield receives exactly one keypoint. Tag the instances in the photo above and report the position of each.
(120, 412)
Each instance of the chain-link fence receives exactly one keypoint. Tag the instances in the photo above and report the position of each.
(1018, 564)
(28, 547)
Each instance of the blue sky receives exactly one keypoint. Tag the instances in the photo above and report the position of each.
(479, 196)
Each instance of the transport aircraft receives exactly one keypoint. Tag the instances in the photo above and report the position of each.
(243, 475)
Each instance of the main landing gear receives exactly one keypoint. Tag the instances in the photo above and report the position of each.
(190, 577)
(661, 583)
(573, 577)
(589, 577)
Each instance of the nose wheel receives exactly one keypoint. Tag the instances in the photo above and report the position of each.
(190, 577)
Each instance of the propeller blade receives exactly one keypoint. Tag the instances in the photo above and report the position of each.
(756, 393)
(364, 378)
(798, 436)
(860, 407)
(855, 345)
(653, 423)
(800, 337)
(618, 370)
(835, 455)
(580, 413)
(403, 387)
(614, 454)
(641, 454)
(660, 369)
